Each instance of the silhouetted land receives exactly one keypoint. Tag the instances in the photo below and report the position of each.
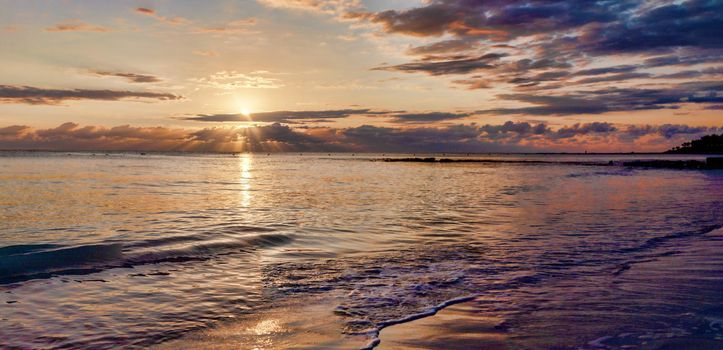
(710, 144)
(709, 164)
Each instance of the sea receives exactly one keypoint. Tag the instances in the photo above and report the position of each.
(569, 251)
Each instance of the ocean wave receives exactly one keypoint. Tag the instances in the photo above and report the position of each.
(24, 262)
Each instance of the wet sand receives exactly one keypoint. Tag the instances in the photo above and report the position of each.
(313, 325)
(457, 327)
(308, 325)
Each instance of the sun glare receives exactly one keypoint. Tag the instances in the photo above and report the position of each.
(245, 112)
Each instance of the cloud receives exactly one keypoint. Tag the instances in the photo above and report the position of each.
(426, 117)
(241, 26)
(167, 20)
(281, 116)
(607, 70)
(613, 99)
(694, 23)
(447, 65)
(557, 48)
(491, 19)
(131, 77)
(71, 136)
(474, 83)
(206, 53)
(690, 74)
(456, 138)
(693, 57)
(77, 26)
(668, 131)
(613, 77)
(304, 117)
(231, 80)
(584, 129)
(42, 96)
(514, 130)
(445, 46)
(319, 6)
(508, 137)
(524, 130)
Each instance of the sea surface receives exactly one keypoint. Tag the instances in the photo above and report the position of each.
(125, 250)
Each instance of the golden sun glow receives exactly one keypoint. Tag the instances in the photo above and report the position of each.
(245, 112)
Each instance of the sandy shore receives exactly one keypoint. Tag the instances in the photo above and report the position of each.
(311, 325)
(457, 327)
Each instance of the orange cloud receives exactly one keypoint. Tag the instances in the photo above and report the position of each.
(167, 20)
(320, 6)
(77, 26)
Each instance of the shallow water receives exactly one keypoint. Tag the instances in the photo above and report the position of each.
(127, 250)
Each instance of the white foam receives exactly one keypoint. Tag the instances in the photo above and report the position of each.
(430, 312)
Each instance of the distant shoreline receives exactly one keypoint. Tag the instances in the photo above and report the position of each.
(711, 163)
(451, 154)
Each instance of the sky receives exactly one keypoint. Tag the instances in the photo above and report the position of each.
(360, 75)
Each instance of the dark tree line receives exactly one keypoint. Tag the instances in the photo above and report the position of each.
(710, 144)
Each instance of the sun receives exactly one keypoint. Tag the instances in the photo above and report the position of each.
(245, 112)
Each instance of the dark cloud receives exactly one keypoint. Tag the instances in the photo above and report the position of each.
(513, 130)
(433, 19)
(599, 27)
(554, 43)
(146, 11)
(282, 116)
(693, 23)
(613, 77)
(323, 116)
(38, 96)
(448, 66)
(456, 138)
(668, 131)
(607, 70)
(551, 105)
(686, 74)
(546, 76)
(493, 19)
(13, 130)
(584, 129)
(689, 74)
(77, 26)
(446, 46)
(131, 77)
(508, 137)
(524, 130)
(685, 59)
(427, 117)
(613, 99)
(167, 20)
(528, 64)
(71, 136)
